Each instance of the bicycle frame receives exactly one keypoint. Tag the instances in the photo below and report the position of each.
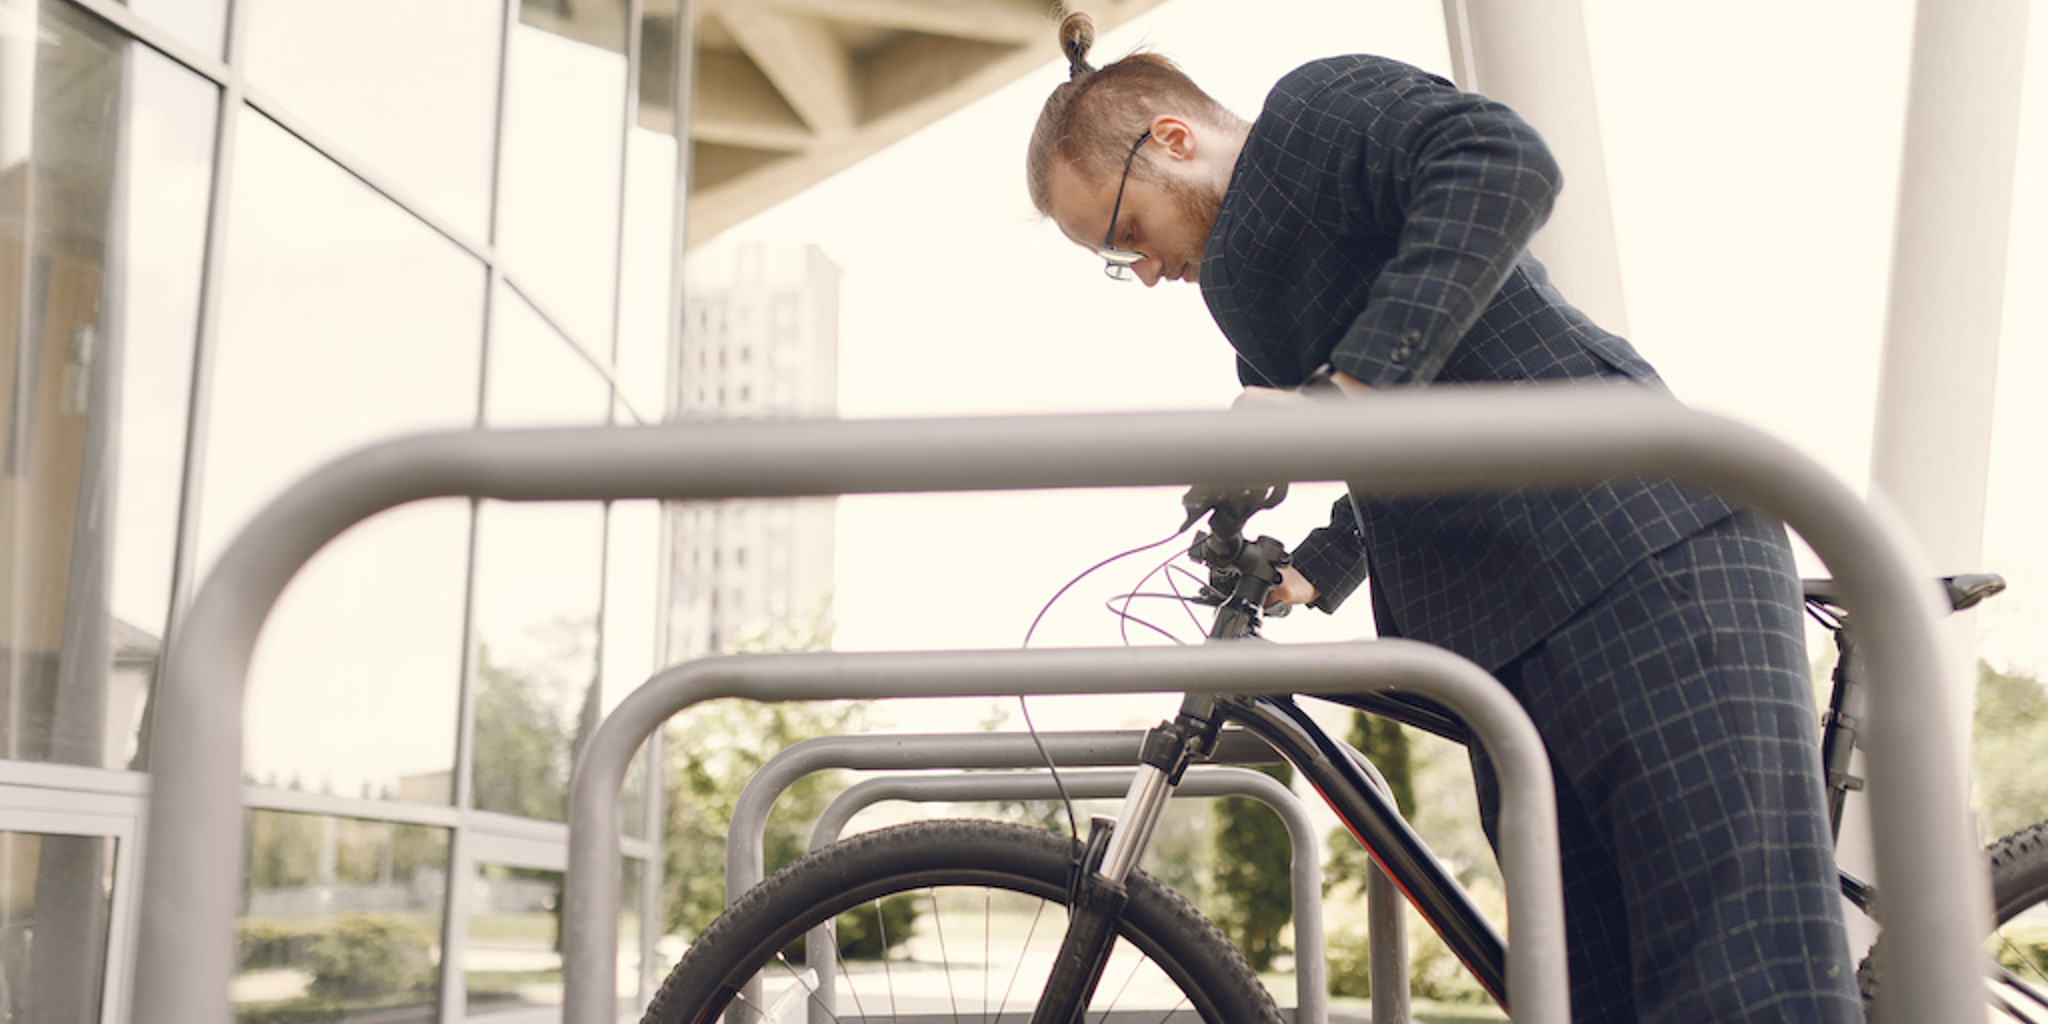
(1250, 569)
(1332, 767)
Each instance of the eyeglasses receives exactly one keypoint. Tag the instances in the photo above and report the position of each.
(1117, 260)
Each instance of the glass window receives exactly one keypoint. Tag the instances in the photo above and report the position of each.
(201, 23)
(408, 87)
(633, 958)
(539, 572)
(645, 276)
(514, 956)
(342, 921)
(537, 377)
(632, 591)
(631, 621)
(55, 900)
(353, 690)
(345, 321)
(565, 101)
(101, 239)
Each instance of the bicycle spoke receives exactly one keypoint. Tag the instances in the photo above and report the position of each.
(2007, 983)
(800, 979)
(1125, 986)
(2027, 964)
(945, 959)
(1137, 966)
(1017, 963)
(852, 990)
(888, 973)
(987, 945)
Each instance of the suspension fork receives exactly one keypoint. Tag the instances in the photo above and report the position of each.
(1097, 888)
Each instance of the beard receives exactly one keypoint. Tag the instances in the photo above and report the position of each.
(1196, 203)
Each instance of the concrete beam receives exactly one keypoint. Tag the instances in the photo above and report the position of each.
(736, 105)
(807, 64)
(994, 21)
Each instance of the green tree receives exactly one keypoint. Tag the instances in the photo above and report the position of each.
(2011, 731)
(532, 704)
(713, 749)
(1253, 887)
(284, 849)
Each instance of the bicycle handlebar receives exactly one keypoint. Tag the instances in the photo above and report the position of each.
(1241, 572)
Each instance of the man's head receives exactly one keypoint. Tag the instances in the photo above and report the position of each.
(1136, 142)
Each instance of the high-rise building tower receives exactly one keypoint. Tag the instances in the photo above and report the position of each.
(760, 340)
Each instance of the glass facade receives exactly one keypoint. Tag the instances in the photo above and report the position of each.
(56, 894)
(236, 241)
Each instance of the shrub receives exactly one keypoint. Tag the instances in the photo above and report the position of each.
(868, 933)
(365, 959)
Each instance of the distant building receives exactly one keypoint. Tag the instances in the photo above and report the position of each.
(760, 341)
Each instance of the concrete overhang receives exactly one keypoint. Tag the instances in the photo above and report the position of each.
(788, 92)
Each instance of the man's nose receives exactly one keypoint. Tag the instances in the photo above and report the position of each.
(1149, 270)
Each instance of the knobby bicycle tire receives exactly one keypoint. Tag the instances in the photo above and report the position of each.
(998, 868)
(2019, 884)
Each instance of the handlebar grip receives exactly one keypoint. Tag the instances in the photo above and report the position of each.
(1235, 504)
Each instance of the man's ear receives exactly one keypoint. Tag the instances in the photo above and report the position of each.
(1176, 134)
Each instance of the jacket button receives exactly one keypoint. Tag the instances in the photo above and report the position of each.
(1409, 339)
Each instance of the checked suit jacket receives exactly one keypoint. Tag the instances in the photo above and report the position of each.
(1377, 221)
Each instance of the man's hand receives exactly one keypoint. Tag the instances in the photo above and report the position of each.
(1265, 398)
(1294, 588)
(1268, 397)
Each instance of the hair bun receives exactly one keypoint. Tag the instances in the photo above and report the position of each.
(1077, 36)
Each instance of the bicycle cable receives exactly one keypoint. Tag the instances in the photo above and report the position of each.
(1120, 605)
(1023, 705)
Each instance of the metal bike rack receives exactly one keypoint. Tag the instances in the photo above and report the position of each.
(1528, 820)
(1421, 441)
(744, 867)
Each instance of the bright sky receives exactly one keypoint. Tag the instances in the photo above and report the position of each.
(1752, 155)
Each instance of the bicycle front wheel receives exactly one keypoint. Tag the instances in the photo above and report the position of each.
(967, 917)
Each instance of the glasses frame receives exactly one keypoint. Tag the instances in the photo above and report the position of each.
(1116, 260)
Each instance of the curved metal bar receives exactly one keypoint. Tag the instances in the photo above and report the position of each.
(1528, 823)
(1434, 441)
(1311, 977)
(905, 751)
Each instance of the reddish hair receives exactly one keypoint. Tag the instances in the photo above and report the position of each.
(1091, 120)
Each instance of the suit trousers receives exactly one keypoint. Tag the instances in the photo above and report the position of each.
(1699, 872)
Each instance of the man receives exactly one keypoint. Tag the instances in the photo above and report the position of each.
(1370, 228)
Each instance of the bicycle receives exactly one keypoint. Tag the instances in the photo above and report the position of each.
(1064, 925)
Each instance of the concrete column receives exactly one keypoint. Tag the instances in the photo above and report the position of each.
(1532, 56)
(1931, 449)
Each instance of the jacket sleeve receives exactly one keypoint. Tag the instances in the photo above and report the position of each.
(1461, 184)
(1333, 557)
